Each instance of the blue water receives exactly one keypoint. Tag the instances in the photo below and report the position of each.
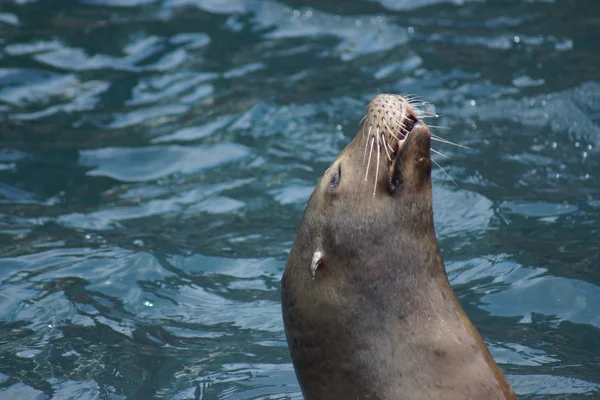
(156, 157)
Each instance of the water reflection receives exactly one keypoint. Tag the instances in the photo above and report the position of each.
(156, 156)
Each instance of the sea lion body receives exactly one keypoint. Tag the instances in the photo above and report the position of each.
(367, 307)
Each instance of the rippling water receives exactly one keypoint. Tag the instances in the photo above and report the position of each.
(156, 156)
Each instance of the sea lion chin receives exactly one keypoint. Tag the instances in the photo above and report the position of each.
(367, 307)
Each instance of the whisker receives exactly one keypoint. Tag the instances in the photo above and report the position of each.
(377, 167)
(425, 114)
(440, 153)
(369, 162)
(401, 124)
(447, 174)
(366, 142)
(434, 137)
(412, 97)
(439, 126)
(385, 146)
(389, 129)
(442, 140)
(402, 132)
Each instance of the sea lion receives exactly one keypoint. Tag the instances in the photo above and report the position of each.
(367, 307)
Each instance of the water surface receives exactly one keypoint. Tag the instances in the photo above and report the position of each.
(156, 157)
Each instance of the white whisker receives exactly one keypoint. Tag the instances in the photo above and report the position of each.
(370, 153)
(437, 152)
(447, 174)
(366, 142)
(410, 97)
(442, 140)
(424, 114)
(377, 167)
(385, 147)
(438, 126)
(401, 125)
(389, 129)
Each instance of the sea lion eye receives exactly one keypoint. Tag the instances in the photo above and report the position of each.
(335, 181)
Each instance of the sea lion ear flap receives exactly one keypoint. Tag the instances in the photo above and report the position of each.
(316, 262)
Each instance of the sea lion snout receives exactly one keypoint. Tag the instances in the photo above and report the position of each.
(393, 138)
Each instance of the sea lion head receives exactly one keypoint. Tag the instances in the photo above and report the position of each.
(377, 188)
